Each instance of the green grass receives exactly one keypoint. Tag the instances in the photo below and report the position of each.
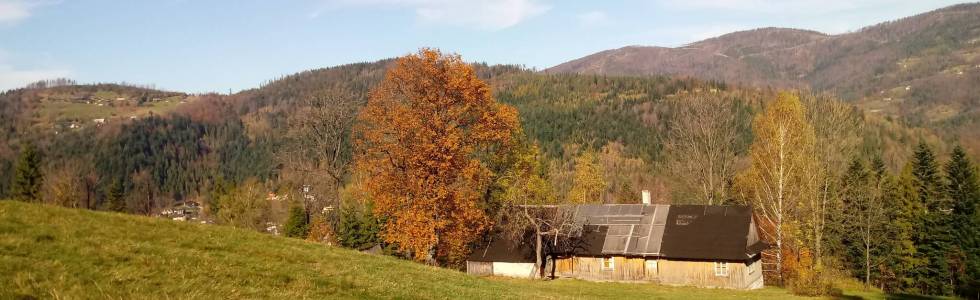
(53, 252)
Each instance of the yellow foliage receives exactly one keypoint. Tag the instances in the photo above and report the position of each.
(588, 183)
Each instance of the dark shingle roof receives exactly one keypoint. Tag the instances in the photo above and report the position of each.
(670, 231)
(708, 232)
(501, 248)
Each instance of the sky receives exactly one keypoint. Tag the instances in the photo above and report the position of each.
(229, 45)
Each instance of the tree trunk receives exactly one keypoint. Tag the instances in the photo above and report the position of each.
(779, 212)
(537, 251)
(554, 262)
(867, 266)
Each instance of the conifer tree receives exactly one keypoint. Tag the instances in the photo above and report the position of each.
(906, 262)
(298, 222)
(114, 200)
(26, 185)
(358, 228)
(963, 191)
(934, 228)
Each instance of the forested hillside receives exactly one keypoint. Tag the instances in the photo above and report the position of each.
(624, 120)
(921, 69)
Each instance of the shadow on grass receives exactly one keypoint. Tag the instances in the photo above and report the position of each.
(910, 297)
(890, 297)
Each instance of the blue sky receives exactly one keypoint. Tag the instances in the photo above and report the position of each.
(221, 46)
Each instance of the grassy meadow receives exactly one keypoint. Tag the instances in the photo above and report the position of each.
(53, 252)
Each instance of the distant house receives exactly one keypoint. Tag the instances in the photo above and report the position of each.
(696, 245)
(184, 211)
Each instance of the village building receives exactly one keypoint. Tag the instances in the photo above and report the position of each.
(183, 211)
(693, 245)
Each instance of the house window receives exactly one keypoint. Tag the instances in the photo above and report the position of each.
(721, 269)
(608, 264)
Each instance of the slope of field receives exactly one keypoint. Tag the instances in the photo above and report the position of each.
(53, 252)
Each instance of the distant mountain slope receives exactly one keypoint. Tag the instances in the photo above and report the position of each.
(54, 252)
(780, 56)
(735, 57)
(924, 69)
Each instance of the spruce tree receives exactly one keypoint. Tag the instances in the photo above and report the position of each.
(26, 185)
(855, 190)
(298, 222)
(906, 263)
(963, 191)
(114, 200)
(358, 228)
(935, 229)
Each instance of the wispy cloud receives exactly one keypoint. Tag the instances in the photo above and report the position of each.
(14, 11)
(592, 18)
(482, 14)
(12, 77)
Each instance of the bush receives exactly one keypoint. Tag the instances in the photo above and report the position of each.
(804, 279)
(321, 231)
(814, 283)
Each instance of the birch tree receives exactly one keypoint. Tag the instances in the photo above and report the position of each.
(780, 154)
(835, 125)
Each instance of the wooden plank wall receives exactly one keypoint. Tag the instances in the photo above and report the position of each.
(670, 272)
(753, 274)
(702, 274)
(590, 268)
(479, 268)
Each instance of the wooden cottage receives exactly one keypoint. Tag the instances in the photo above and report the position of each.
(695, 245)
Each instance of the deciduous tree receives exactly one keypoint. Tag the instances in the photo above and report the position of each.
(423, 139)
(245, 206)
(775, 182)
(836, 126)
(530, 205)
(65, 186)
(317, 144)
(588, 184)
(701, 146)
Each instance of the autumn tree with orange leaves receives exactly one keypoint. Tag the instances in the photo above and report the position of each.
(423, 142)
